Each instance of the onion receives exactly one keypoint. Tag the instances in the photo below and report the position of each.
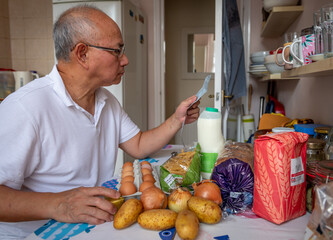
(153, 198)
(209, 190)
(177, 200)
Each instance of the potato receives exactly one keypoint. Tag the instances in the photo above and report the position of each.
(207, 211)
(157, 219)
(187, 225)
(128, 213)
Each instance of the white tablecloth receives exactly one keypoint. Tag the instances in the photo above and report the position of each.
(243, 226)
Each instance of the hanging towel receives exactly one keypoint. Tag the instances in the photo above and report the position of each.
(234, 64)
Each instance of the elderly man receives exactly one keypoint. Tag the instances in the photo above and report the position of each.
(60, 134)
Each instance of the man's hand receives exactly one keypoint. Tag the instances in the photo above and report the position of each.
(85, 204)
(186, 110)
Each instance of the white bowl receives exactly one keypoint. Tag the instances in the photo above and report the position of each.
(271, 58)
(260, 53)
(258, 57)
(269, 4)
(272, 67)
(317, 57)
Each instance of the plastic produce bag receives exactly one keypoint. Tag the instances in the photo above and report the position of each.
(233, 173)
(320, 225)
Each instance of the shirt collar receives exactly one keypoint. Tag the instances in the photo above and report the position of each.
(61, 91)
(60, 88)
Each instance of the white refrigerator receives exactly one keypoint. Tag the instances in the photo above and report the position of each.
(132, 91)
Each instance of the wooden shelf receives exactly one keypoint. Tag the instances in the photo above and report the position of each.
(316, 69)
(275, 76)
(280, 18)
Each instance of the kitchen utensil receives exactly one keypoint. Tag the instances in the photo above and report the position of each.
(250, 97)
(261, 107)
(270, 106)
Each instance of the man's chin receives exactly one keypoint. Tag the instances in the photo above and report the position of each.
(114, 82)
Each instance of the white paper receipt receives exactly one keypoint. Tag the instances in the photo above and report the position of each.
(296, 171)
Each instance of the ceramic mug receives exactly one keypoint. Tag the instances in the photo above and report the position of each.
(288, 64)
(292, 61)
(301, 49)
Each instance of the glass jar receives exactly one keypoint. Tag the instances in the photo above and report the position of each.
(315, 151)
(323, 175)
(329, 146)
(322, 133)
(310, 184)
(324, 172)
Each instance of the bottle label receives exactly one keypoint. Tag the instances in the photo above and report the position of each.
(207, 162)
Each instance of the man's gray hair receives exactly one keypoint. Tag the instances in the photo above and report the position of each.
(73, 26)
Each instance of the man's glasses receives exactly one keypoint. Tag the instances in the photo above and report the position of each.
(118, 52)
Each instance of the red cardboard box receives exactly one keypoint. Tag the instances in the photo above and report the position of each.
(279, 178)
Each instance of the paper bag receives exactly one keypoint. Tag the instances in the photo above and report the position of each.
(279, 181)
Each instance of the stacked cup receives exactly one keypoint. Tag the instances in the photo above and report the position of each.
(286, 56)
(318, 36)
(327, 29)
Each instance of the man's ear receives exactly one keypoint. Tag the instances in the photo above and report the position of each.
(80, 54)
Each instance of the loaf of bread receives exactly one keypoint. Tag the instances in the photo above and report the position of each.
(238, 150)
(233, 173)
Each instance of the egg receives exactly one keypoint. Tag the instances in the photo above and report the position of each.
(127, 179)
(144, 162)
(148, 178)
(145, 171)
(127, 168)
(127, 188)
(146, 166)
(125, 174)
(128, 164)
(145, 185)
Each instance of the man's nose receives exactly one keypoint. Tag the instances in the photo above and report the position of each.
(124, 60)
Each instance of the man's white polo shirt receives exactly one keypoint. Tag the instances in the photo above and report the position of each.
(50, 144)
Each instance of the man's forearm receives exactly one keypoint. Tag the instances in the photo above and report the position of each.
(158, 137)
(18, 206)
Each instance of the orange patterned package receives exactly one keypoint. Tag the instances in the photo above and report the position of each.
(279, 179)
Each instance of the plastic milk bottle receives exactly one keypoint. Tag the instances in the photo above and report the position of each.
(210, 139)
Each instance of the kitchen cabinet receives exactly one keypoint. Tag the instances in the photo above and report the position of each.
(280, 18)
(315, 69)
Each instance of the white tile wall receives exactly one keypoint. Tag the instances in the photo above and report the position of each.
(30, 23)
(5, 58)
